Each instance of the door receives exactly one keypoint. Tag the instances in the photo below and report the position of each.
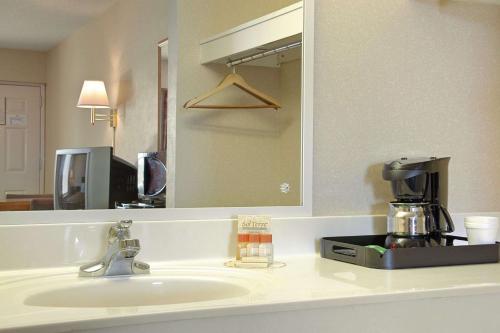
(20, 140)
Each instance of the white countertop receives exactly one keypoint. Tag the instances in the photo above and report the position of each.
(306, 282)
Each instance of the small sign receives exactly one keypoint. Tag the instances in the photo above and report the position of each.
(17, 120)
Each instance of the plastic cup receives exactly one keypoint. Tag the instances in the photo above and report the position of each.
(481, 229)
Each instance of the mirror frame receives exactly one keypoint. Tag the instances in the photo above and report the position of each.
(161, 44)
(164, 214)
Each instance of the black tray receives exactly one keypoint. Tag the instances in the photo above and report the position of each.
(352, 249)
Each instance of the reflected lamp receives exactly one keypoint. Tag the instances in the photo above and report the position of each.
(94, 97)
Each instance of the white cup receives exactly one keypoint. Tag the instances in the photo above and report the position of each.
(481, 229)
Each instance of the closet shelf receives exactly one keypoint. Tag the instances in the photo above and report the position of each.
(274, 30)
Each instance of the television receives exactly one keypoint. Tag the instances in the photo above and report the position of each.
(92, 178)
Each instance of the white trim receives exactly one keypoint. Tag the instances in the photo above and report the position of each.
(215, 212)
(158, 214)
(307, 107)
(42, 139)
(27, 84)
(173, 63)
(493, 2)
(163, 44)
(260, 20)
(41, 169)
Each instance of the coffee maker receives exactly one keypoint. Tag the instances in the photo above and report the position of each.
(419, 216)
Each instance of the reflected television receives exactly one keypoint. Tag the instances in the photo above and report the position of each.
(92, 178)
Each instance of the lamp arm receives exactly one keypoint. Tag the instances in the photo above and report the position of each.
(111, 116)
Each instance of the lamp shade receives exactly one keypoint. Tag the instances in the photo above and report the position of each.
(93, 95)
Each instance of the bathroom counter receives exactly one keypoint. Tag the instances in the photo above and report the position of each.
(305, 284)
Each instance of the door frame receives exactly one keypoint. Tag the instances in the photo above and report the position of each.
(41, 162)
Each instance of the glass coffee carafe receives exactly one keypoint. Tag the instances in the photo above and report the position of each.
(409, 225)
(418, 217)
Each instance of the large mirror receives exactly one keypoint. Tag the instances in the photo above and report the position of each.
(228, 153)
(230, 134)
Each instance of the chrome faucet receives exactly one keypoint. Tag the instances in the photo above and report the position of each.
(120, 254)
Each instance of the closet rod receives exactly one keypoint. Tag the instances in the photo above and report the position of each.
(277, 50)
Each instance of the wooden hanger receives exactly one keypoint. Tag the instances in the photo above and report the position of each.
(238, 81)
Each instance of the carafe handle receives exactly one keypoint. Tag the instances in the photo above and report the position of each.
(447, 217)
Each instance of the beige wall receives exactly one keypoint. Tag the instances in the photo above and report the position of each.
(233, 157)
(405, 78)
(120, 47)
(22, 66)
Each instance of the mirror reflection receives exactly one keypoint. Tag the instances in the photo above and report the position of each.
(231, 147)
(87, 121)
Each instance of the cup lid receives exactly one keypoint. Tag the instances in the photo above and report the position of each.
(481, 225)
(481, 219)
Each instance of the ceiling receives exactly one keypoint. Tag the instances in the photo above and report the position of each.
(41, 24)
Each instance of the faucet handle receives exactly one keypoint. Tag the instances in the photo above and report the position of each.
(129, 247)
(120, 231)
(124, 224)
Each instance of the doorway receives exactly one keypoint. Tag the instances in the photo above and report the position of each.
(21, 139)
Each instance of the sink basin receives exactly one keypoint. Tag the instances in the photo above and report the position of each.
(137, 291)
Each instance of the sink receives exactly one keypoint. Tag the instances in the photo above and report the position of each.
(137, 291)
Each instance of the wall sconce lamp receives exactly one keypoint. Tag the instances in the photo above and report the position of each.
(94, 96)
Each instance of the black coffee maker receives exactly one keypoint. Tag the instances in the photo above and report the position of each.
(419, 217)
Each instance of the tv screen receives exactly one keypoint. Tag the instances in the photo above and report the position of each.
(92, 178)
(70, 180)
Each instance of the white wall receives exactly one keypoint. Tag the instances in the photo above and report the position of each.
(405, 78)
(119, 47)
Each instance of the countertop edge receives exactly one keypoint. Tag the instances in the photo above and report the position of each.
(241, 310)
